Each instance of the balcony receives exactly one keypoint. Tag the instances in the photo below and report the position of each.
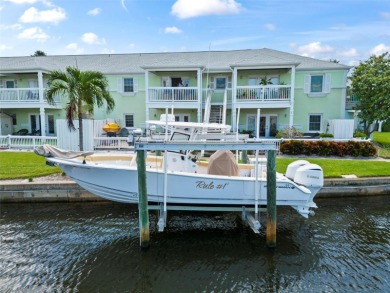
(351, 102)
(264, 94)
(23, 98)
(179, 95)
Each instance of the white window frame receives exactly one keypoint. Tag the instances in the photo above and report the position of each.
(124, 119)
(326, 84)
(308, 126)
(213, 82)
(121, 85)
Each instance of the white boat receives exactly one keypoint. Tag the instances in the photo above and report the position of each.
(190, 181)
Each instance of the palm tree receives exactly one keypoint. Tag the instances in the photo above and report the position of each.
(84, 90)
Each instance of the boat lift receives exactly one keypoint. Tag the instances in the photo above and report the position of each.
(257, 145)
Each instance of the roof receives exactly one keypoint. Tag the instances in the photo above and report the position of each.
(138, 62)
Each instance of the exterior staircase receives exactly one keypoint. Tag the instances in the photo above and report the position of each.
(215, 114)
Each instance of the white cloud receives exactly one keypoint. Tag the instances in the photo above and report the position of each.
(380, 49)
(52, 16)
(385, 15)
(15, 26)
(131, 45)
(20, 2)
(94, 12)
(123, 4)
(74, 48)
(313, 48)
(5, 48)
(107, 51)
(172, 30)
(349, 53)
(189, 8)
(34, 33)
(92, 39)
(270, 26)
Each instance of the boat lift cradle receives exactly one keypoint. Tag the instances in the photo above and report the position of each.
(256, 145)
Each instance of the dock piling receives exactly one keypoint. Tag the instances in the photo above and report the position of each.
(271, 199)
(143, 201)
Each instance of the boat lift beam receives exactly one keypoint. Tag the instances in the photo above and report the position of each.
(251, 145)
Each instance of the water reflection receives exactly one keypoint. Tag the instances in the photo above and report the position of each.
(95, 247)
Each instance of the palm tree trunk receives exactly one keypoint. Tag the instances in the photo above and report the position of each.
(80, 114)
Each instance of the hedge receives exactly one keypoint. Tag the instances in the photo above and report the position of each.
(328, 148)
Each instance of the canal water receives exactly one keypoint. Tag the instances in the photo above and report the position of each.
(94, 247)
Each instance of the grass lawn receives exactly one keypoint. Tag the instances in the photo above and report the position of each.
(24, 165)
(382, 140)
(334, 168)
(29, 165)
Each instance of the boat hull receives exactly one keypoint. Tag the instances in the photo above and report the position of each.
(120, 184)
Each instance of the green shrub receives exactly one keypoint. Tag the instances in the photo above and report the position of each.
(290, 132)
(328, 148)
(326, 135)
(359, 134)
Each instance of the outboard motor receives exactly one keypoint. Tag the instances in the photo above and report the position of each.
(292, 168)
(310, 175)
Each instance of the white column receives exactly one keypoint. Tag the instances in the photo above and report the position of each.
(234, 106)
(200, 93)
(41, 104)
(147, 94)
(292, 93)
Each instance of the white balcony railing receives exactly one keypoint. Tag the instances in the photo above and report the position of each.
(22, 95)
(26, 141)
(173, 94)
(264, 93)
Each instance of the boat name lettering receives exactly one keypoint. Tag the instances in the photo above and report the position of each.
(210, 185)
(314, 177)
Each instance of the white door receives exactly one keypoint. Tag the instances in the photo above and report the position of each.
(268, 124)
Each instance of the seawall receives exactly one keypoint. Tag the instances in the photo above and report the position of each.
(68, 191)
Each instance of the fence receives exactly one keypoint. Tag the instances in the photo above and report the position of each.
(26, 142)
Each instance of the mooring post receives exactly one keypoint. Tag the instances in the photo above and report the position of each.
(244, 157)
(271, 199)
(142, 200)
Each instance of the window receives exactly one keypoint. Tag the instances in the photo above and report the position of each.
(129, 120)
(220, 82)
(10, 84)
(127, 85)
(50, 123)
(317, 84)
(315, 122)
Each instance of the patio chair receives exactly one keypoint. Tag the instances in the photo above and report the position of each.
(22, 131)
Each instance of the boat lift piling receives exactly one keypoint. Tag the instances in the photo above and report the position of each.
(253, 222)
(143, 200)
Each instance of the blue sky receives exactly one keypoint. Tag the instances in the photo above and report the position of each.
(346, 30)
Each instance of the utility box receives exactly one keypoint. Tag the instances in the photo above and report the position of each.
(6, 125)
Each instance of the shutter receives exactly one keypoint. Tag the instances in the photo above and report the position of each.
(327, 83)
(15, 83)
(212, 82)
(120, 85)
(306, 86)
(229, 82)
(135, 84)
(1, 83)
